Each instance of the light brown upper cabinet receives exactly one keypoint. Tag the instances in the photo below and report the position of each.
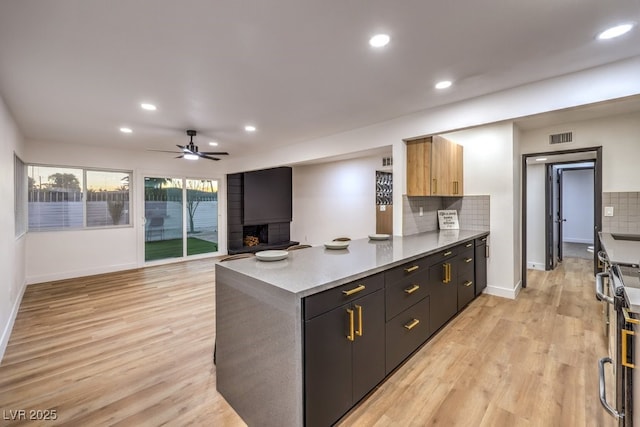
(434, 167)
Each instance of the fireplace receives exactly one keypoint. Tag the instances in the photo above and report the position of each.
(263, 226)
(253, 235)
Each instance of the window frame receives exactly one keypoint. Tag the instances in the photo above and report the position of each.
(20, 197)
(84, 193)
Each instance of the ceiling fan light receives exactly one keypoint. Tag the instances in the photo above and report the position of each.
(191, 156)
(616, 31)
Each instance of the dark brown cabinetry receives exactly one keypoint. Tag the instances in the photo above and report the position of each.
(356, 334)
(344, 349)
(482, 253)
(465, 278)
(407, 307)
(442, 289)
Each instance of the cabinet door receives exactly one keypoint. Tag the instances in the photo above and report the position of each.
(446, 164)
(443, 293)
(419, 167)
(328, 374)
(481, 268)
(368, 347)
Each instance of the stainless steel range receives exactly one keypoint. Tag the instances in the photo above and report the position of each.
(619, 288)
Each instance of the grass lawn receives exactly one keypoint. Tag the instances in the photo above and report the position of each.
(172, 248)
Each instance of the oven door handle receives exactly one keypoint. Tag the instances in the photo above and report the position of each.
(603, 391)
(600, 288)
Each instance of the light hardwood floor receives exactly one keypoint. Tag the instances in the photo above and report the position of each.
(134, 349)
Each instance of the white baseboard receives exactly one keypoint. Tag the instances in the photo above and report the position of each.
(79, 273)
(510, 293)
(6, 333)
(536, 265)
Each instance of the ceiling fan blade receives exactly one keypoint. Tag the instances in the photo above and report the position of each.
(204, 156)
(162, 151)
(180, 157)
(215, 153)
(184, 148)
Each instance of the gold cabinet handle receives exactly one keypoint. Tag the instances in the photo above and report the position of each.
(468, 283)
(628, 318)
(409, 326)
(455, 187)
(625, 362)
(468, 260)
(444, 273)
(352, 335)
(447, 253)
(412, 289)
(435, 186)
(359, 331)
(468, 245)
(411, 269)
(354, 290)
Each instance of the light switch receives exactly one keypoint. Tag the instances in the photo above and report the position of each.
(608, 211)
(421, 212)
(383, 208)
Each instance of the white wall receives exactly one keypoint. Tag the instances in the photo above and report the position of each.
(489, 169)
(577, 206)
(535, 215)
(12, 249)
(334, 199)
(618, 135)
(63, 254)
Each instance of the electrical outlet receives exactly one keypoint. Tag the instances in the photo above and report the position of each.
(608, 211)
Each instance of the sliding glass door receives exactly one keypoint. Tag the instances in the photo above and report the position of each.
(181, 217)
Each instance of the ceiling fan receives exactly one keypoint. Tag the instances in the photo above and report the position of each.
(191, 152)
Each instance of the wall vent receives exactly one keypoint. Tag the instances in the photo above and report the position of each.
(561, 138)
(387, 161)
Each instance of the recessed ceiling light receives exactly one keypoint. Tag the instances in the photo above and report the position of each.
(250, 128)
(614, 32)
(541, 159)
(125, 130)
(443, 84)
(148, 107)
(213, 143)
(190, 156)
(379, 40)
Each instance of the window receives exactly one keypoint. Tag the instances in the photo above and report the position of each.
(74, 198)
(20, 196)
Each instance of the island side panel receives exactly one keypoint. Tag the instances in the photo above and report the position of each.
(259, 350)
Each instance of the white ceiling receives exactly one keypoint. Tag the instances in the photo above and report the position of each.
(76, 70)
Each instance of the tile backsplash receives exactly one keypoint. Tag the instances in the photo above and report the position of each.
(626, 212)
(473, 212)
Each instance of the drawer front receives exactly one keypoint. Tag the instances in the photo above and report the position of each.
(466, 257)
(405, 271)
(482, 240)
(332, 298)
(406, 332)
(467, 245)
(466, 286)
(405, 293)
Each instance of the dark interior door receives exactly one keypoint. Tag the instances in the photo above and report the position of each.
(559, 213)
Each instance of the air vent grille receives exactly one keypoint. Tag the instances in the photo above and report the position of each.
(387, 161)
(561, 138)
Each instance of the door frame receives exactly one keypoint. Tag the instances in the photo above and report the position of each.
(597, 202)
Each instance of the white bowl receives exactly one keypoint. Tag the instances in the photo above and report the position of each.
(379, 236)
(274, 255)
(336, 245)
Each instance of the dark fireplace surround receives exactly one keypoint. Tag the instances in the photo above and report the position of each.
(269, 233)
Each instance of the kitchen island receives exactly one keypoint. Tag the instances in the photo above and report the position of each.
(263, 308)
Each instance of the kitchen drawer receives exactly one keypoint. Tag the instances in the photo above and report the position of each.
(405, 271)
(406, 332)
(332, 298)
(466, 257)
(405, 293)
(466, 245)
(466, 286)
(482, 240)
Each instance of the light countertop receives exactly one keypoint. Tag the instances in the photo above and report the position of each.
(308, 271)
(619, 251)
